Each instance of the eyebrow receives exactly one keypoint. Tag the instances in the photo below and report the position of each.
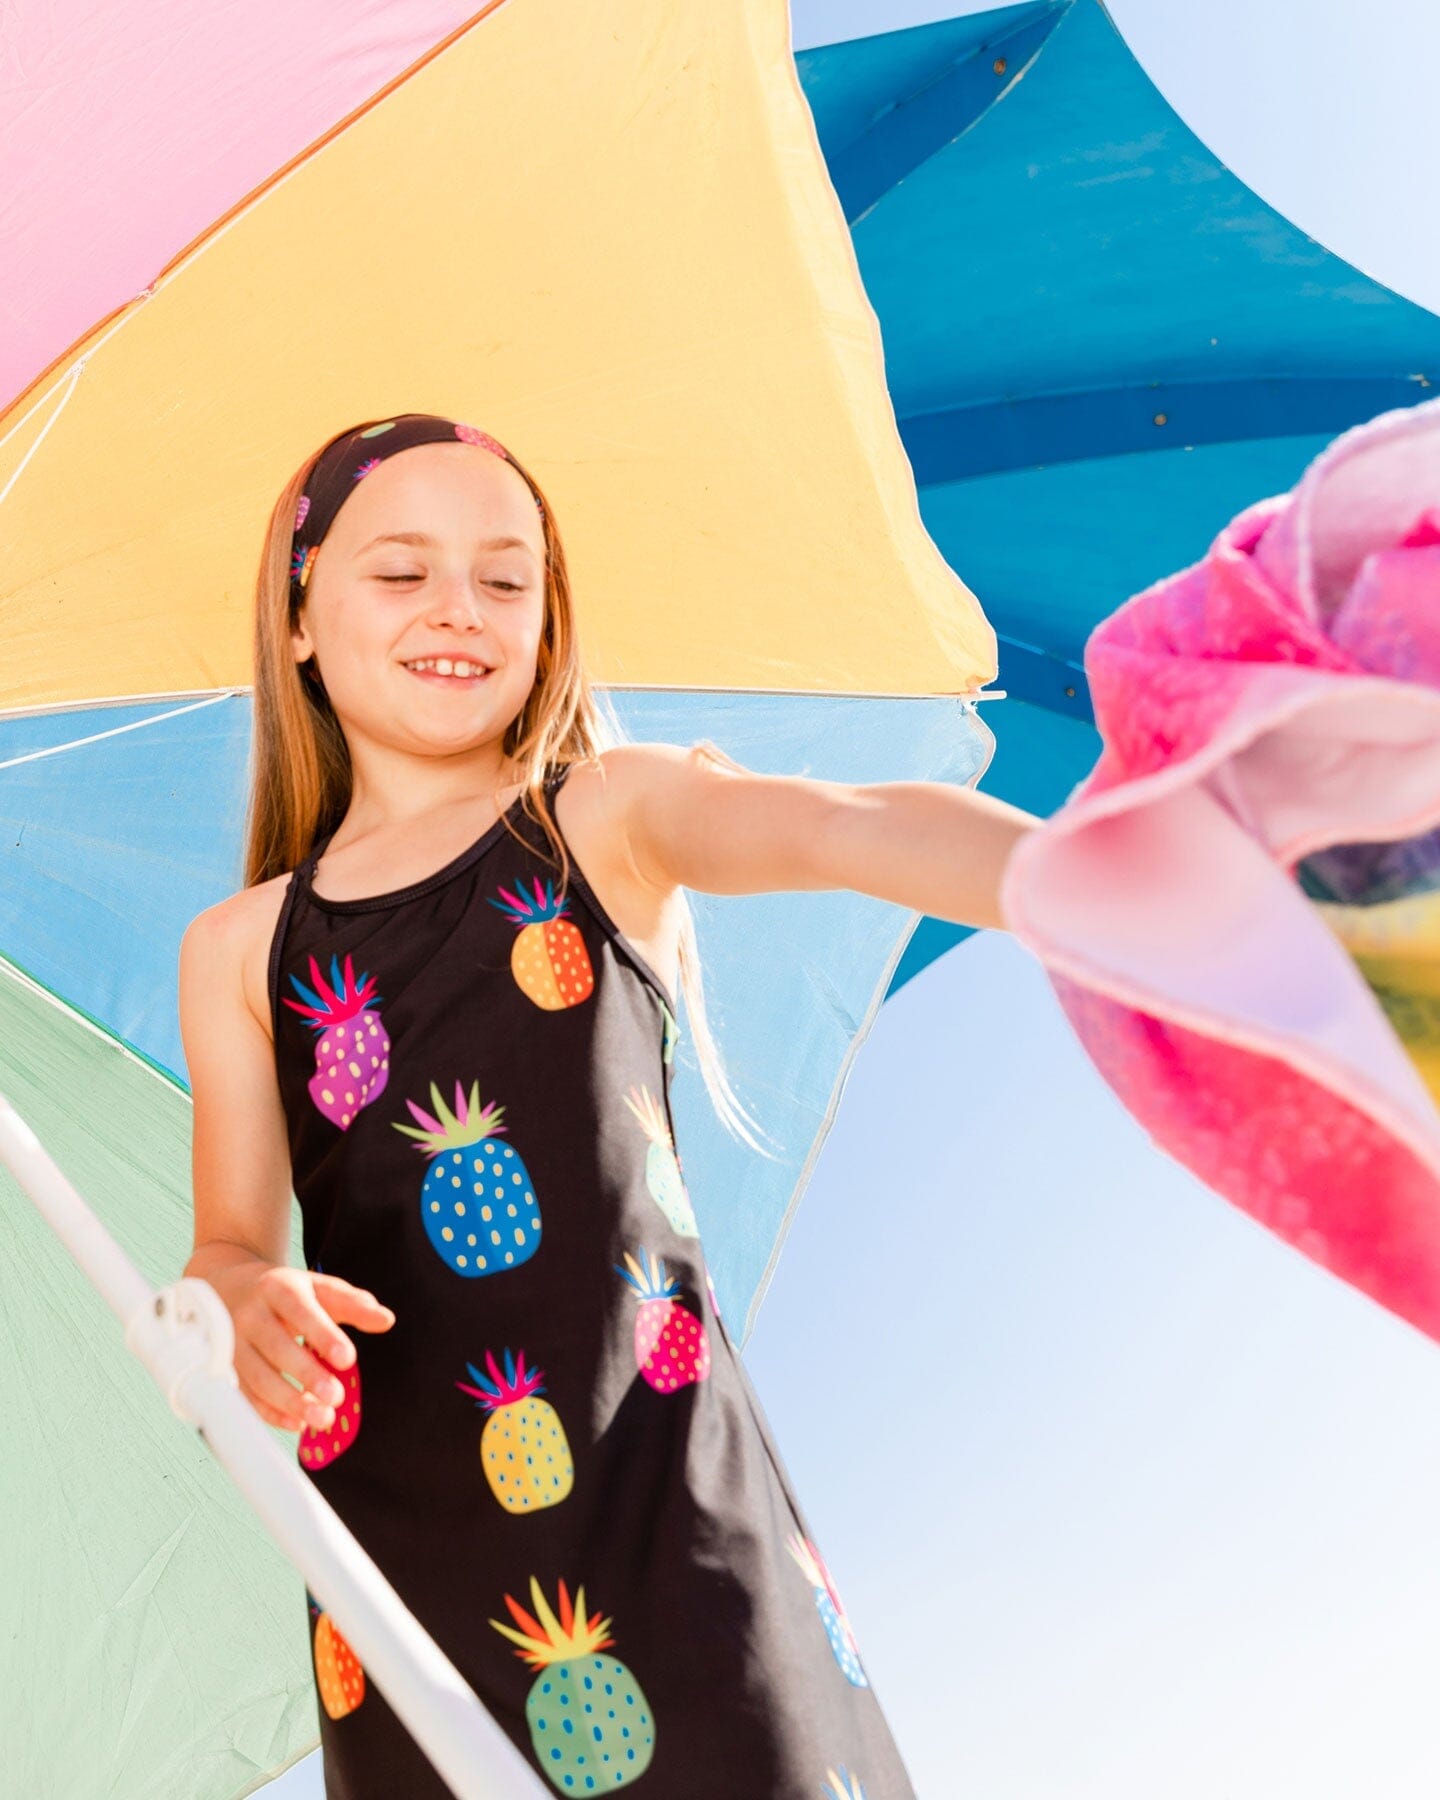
(419, 537)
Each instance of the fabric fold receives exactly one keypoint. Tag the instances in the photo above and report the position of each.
(1239, 907)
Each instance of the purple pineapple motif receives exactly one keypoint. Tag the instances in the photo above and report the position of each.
(352, 1057)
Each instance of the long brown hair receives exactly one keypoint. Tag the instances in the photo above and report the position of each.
(300, 773)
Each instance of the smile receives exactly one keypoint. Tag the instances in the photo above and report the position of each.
(443, 668)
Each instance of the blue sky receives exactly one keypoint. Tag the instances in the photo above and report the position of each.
(1125, 1498)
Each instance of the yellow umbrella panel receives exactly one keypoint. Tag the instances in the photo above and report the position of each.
(605, 235)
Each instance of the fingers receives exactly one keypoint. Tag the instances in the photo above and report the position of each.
(309, 1307)
(271, 1417)
(278, 1345)
(340, 1299)
(286, 1324)
(272, 1396)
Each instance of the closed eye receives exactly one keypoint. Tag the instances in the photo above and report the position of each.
(513, 586)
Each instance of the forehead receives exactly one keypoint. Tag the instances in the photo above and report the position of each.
(444, 490)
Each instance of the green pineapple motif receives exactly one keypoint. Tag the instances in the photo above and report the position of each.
(662, 1166)
(591, 1726)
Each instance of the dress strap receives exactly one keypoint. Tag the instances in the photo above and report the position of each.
(305, 871)
(277, 940)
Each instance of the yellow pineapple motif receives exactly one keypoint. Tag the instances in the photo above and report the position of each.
(523, 1447)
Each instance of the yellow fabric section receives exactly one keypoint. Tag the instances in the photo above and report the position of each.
(605, 235)
(1396, 947)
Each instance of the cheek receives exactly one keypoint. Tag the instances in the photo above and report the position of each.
(355, 650)
(347, 619)
(521, 637)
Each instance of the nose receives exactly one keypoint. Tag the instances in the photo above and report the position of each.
(457, 603)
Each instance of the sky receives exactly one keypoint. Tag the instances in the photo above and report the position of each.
(1124, 1496)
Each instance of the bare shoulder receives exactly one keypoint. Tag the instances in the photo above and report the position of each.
(645, 765)
(599, 810)
(690, 816)
(629, 784)
(230, 942)
(623, 787)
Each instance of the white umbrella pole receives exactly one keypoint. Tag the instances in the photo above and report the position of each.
(185, 1337)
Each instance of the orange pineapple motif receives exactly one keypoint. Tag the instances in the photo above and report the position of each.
(338, 1674)
(548, 959)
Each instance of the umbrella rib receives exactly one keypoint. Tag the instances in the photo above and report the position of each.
(22, 978)
(95, 736)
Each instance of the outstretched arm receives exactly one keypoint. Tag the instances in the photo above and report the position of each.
(694, 820)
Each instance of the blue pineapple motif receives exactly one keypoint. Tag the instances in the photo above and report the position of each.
(478, 1202)
(832, 1613)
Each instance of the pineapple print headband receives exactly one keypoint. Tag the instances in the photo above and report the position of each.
(349, 459)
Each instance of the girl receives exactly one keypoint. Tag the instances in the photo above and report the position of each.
(443, 1010)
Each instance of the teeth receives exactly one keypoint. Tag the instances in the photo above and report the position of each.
(443, 665)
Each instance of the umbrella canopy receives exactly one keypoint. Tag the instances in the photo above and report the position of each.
(609, 239)
(1101, 345)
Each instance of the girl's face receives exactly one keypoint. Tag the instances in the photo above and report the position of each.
(468, 583)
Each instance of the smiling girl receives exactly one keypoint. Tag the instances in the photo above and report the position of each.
(444, 1010)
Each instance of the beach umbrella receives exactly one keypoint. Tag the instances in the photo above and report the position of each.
(608, 237)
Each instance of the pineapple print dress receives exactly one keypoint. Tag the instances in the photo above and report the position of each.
(555, 1454)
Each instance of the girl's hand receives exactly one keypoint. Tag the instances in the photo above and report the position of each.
(274, 1306)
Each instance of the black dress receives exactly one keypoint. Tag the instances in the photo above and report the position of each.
(555, 1454)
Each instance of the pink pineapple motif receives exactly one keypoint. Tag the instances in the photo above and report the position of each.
(471, 434)
(671, 1346)
(320, 1444)
(352, 1057)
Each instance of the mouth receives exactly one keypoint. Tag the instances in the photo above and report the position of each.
(448, 671)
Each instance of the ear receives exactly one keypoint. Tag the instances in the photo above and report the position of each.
(300, 639)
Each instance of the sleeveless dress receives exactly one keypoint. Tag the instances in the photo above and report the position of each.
(554, 1454)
